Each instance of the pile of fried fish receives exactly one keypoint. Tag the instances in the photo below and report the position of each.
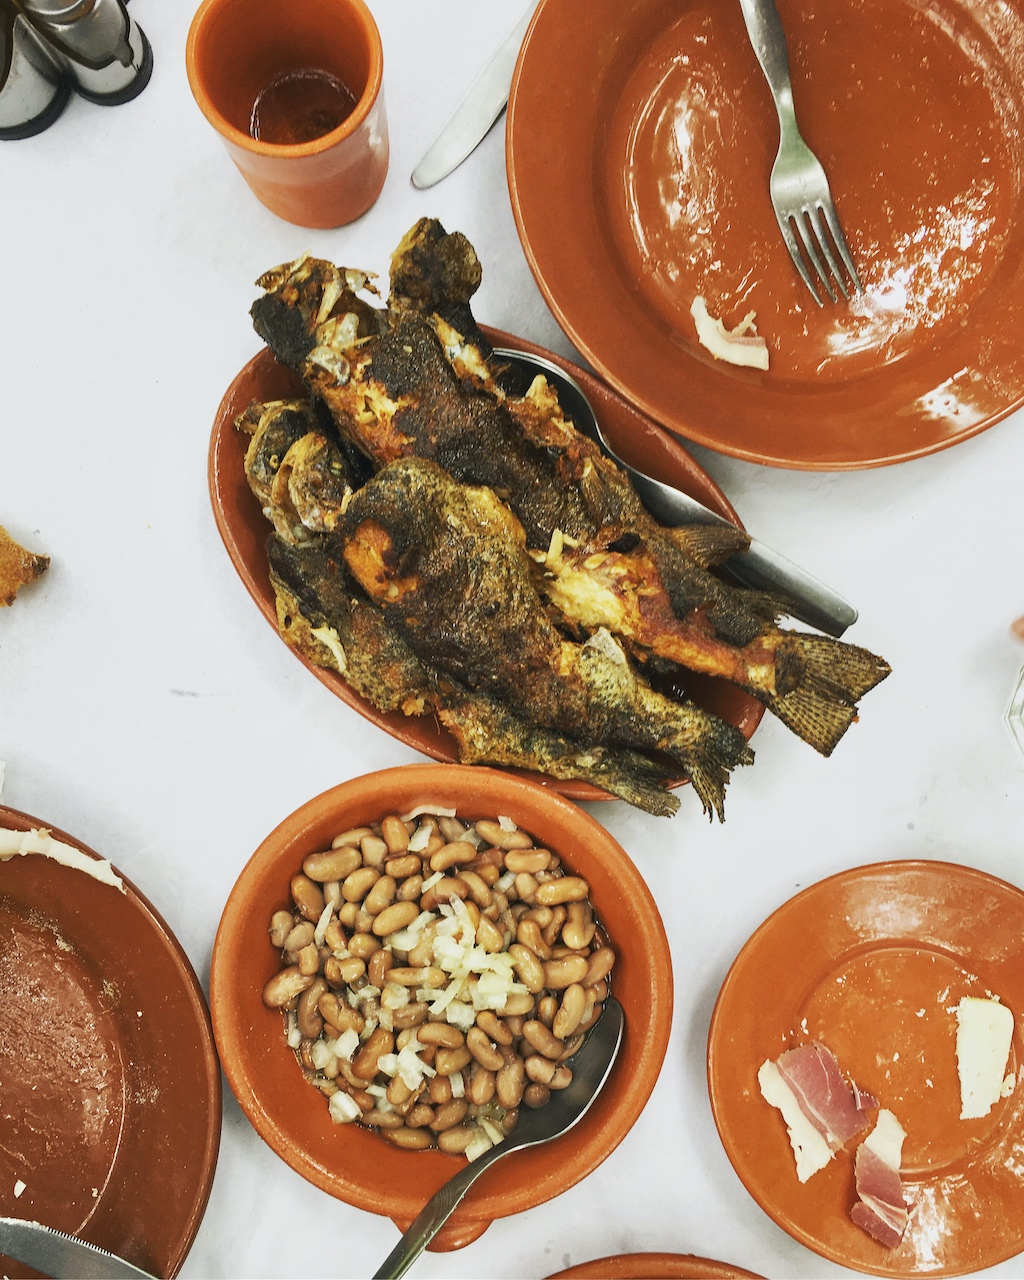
(454, 547)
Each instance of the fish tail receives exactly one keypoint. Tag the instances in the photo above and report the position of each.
(708, 750)
(818, 682)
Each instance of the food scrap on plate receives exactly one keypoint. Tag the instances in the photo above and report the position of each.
(18, 567)
(453, 548)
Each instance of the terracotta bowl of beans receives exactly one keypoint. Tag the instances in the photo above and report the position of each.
(413, 957)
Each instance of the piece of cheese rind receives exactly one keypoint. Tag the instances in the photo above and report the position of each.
(811, 1150)
(983, 1036)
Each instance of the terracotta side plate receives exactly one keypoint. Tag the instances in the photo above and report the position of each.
(244, 530)
(872, 962)
(654, 1266)
(110, 1107)
(654, 190)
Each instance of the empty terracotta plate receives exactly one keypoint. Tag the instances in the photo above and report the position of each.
(350, 1161)
(654, 1266)
(244, 530)
(872, 963)
(110, 1105)
(653, 190)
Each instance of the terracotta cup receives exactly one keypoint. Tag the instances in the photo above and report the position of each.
(237, 48)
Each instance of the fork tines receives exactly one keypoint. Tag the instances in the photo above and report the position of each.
(815, 229)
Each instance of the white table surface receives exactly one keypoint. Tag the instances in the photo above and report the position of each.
(147, 708)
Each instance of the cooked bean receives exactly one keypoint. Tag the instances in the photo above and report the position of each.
(364, 945)
(340, 1014)
(409, 1139)
(454, 1141)
(528, 860)
(547, 1007)
(553, 928)
(527, 968)
(599, 966)
(394, 834)
(280, 927)
(409, 1015)
(351, 837)
(441, 1033)
(333, 865)
(383, 1119)
(428, 976)
(518, 1004)
(578, 929)
(536, 1095)
(540, 1037)
(334, 935)
(481, 1048)
(308, 897)
(564, 889)
(491, 1025)
(559, 974)
(379, 966)
(539, 1068)
(350, 969)
(410, 889)
(489, 936)
(421, 1114)
(406, 865)
(561, 1079)
(509, 1083)
(307, 1015)
(358, 884)
(526, 887)
(395, 917)
(285, 986)
(479, 890)
(308, 960)
(529, 934)
(480, 1088)
(449, 1061)
(440, 1089)
(374, 851)
(381, 895)
(450, 855)
(300, 936)
(495, 834)
(449, 1114)
(380, 1042)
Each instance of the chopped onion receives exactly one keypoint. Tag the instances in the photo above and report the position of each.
(343, 1108)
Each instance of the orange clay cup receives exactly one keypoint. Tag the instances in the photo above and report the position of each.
(236, 48)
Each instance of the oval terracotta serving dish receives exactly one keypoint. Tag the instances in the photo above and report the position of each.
(353, 1163)
(244, 531)
(111, 1086)
(653, 190)
(872, 963)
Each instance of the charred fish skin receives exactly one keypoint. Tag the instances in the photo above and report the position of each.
(447, 564)
(321, 615)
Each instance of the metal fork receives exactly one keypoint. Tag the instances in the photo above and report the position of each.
(799, 188)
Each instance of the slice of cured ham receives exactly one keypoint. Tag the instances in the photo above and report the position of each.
(839, 1111)
(821, 1111)
(881, 1210)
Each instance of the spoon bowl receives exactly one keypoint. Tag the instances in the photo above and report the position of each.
(806, 597)
(590, 1067)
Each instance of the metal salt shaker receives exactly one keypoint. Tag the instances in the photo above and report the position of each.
(101, 47)
(33, 87)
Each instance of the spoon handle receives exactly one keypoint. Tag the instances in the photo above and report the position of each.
(433, 1216)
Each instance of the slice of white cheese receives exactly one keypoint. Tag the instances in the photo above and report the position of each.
(886, 1139)
(983, 1035)
(19, 843)
(811, 1150)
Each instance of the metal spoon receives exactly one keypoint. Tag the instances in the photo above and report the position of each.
(590, 1068)
(810, 600)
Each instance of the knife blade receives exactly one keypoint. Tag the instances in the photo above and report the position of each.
(62, 1256)
(471, 120)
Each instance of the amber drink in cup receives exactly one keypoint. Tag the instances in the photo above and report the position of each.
(295, 91)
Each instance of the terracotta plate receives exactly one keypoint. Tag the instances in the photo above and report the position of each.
(653, 1266)
(110, 1106)
(872, 962)
(244, 531)
(653, 190)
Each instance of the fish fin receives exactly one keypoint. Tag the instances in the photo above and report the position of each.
(708, 755)
(818, 683)
(708, 544)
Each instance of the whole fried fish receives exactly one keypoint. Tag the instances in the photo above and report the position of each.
(417, 379)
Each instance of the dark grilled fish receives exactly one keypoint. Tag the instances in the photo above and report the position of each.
(414, 384)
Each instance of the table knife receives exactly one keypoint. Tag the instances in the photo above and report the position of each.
(63, 1257)
(472, 118)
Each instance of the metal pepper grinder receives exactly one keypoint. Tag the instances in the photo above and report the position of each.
(104, 51)
(33, 87)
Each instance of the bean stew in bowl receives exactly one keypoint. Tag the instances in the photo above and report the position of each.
(411, 958)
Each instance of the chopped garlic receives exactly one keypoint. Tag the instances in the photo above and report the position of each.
(478, 1146)
(506, 824)
(321, 925)
(346, 1044)
(343, 1108)
(431, 810)
(458, 1084)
